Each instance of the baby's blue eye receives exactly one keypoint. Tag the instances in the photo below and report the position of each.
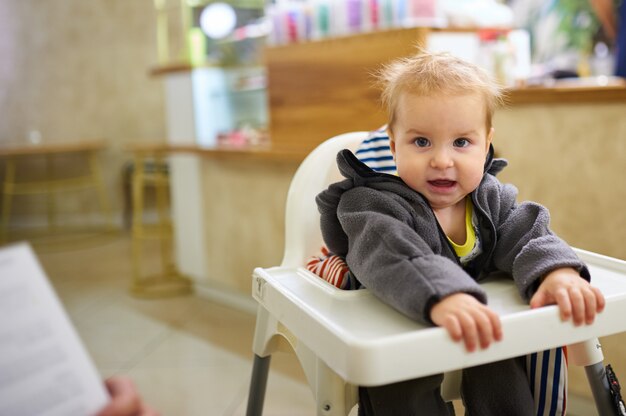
(422, 142)
(461, 142)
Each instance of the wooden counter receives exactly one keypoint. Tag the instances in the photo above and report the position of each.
(270, 152)
(323, 88)
(292, 141)
(568, 95)
(23, 149)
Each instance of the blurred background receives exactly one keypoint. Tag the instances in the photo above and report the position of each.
(146, 148)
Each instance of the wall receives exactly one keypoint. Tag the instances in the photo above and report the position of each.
(570, 158)
(245, 216)
(75, 69)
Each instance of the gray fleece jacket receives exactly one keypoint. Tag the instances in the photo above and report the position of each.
(395, 247)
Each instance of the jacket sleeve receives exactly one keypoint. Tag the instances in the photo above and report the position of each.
(388, 256)
(526, 248)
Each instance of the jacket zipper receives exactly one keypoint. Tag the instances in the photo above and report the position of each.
(492, 227)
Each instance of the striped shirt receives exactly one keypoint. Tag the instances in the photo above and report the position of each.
(376, 153)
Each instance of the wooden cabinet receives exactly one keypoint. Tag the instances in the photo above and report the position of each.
(323, 88)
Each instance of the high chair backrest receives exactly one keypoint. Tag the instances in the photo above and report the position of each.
(303, 237)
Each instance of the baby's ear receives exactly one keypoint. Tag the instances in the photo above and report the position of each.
(392, 146)
(490, 136)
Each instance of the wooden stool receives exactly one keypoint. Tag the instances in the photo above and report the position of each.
(169, 282)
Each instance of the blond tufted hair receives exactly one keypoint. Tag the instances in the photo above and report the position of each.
(431, 74)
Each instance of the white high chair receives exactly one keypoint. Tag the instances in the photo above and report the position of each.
(344, 339)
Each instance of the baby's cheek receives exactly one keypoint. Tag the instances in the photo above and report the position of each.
(473, 181)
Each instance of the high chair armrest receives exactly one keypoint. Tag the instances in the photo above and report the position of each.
(349, 328)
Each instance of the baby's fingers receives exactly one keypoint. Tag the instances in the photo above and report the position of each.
(594, 303)
(565, 306)
(489, 327)
(578, 302)
(581, 304)
(496, 325)
(453, 326)
(600, 301)
(470, 331)
(590, 306)
(485, 330)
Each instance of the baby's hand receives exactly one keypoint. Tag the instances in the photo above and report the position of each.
(574, 295)
(467, 319)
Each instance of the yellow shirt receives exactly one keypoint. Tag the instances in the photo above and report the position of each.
(463, 250)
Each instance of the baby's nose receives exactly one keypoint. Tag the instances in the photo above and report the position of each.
(441, 160)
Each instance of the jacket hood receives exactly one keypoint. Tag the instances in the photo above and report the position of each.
(358, 174)
(494, 165)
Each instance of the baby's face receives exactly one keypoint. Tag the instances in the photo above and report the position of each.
(440, 144)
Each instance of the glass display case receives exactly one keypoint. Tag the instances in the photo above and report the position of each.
(221, 44)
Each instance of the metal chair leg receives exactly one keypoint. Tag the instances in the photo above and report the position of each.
(258, 384)
(596, 375)
(588, 354)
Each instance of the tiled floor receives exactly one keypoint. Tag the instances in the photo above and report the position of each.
(187, 355)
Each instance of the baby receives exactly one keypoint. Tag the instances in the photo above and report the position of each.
(421, 241)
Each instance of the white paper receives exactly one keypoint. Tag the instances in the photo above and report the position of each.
(44, 368)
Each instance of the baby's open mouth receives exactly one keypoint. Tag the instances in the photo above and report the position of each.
(442, 183)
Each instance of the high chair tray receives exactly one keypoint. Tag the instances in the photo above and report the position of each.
(348, 328)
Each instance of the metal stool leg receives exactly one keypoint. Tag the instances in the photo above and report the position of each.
(258, 383)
